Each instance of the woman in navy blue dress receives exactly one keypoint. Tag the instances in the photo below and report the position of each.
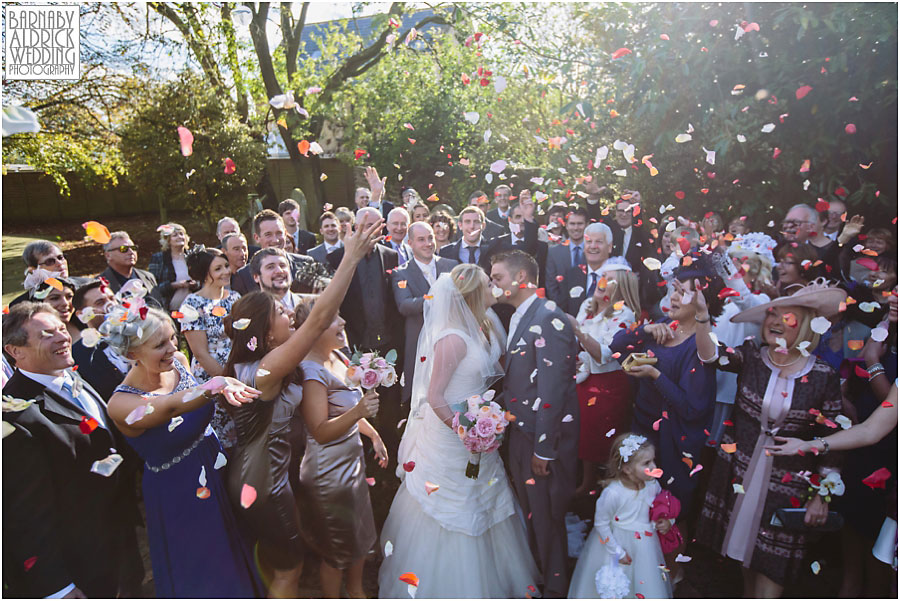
(675, 397)
(196, 546)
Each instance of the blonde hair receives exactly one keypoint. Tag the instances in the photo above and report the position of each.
(760, 268)
(626, 290)
(616, 464)
(805, 332)
(469, 280)
(176, 227)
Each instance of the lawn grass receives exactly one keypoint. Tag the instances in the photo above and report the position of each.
(13, 268)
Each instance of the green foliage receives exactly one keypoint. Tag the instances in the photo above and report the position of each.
(152, 152)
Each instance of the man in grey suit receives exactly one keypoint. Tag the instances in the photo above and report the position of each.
(539, 390)
(331, 238)
(410, 284)
(562, 257)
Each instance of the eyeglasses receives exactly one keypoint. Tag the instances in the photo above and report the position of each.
(58, 259)
(126, 247)
(793, 223)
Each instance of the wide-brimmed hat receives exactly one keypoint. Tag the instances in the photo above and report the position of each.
(825, 300)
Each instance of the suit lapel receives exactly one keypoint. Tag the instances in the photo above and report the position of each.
(443, 266)
(418, 278)
(48, 400)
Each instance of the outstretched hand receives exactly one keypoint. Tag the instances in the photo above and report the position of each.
(234, 391)
(789, 446)
(362, 241)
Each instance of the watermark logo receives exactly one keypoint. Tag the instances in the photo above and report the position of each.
(42, 42)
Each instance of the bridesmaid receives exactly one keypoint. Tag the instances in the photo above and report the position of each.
(195, 545)
(266, 351)
(333, 489)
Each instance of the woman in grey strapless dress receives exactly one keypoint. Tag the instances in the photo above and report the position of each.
(334, 495)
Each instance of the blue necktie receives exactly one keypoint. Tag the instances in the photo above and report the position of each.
(577, 256)
(76, 398)
(593, 286)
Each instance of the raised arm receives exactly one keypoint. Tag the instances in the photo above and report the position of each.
(145, 413)
(284, 358)
(448, 352)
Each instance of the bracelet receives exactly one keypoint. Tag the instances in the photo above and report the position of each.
(702, 320)
(876, 374)
(824, 444)
(875, 367)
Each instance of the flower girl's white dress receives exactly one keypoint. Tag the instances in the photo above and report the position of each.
(622, 524)
(466, 538)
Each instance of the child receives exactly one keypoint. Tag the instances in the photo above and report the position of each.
(622, 556)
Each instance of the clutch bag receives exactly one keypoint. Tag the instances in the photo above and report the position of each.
(791, 518)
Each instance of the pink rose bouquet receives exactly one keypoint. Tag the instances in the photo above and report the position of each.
(480, 428)
(370, 370)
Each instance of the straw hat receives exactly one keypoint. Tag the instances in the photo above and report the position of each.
(825, 300)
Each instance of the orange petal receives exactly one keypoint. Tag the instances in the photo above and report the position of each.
(729, 447)
(96, 231)
(219, 311)
(203, 493)
(410, 578)
(430, 487)
(54, 283)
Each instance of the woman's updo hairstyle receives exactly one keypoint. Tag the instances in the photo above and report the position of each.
(199, 259)
(139, 326)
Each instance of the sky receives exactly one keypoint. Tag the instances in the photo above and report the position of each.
(329, 11)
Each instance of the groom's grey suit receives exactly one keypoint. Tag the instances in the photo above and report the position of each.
(539, 389)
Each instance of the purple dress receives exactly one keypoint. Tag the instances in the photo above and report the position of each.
(196, 547)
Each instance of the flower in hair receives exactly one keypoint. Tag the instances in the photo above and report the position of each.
(630, 445)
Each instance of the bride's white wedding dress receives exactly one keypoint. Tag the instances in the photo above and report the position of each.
(466, 538)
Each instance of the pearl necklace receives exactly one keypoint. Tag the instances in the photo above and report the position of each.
(776, 363)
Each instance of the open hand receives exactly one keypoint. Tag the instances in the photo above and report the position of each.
(362, 241)
(234, 391)
(376, 184)
(381, 452)
(789, 446)
(661, 332)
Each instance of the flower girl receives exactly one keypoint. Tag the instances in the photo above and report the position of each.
(622, 557)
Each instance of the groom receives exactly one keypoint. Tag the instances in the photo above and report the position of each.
(539, 389)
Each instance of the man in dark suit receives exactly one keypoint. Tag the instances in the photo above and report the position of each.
(500, 213)
(331, 239)
(473, 246)
(269, 232)
(631, 240)
(522, 236)
(562, 257)
(580, 281)
(64, 518)
(290, 214)
(410, 284)
(227, 226)
(373, 320)
(100, 365)
(121, 258)
(491, 229)
(543, 439)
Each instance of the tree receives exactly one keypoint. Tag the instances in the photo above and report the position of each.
(211, 185)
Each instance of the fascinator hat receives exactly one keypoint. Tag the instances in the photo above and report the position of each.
(818, 296)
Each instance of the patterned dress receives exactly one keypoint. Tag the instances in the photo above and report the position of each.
(776, 553)
(219, 346)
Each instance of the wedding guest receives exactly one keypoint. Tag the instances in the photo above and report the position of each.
(397, 224)
(837, 211)
(799, 224)
(60, 298)
(331, 237)
(169, 266)
(561, 258)
(266, 351)
(100, 365)
(235, 248)
(491, 229)
(184, 492)
(411, 284)
(121, 258)
(373, 196)
(739, 226)
(444, 228)
(333, 491)
(346, 219)
(604, 393)
(63, 523)
(225, 226)
(419, 212)
(290, 213)
(674, 401)
(500, 213)
(203, 327)
(781, 386)
(577, 283)
(795, 267)
(473, 246)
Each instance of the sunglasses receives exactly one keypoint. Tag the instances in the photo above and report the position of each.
(58, 259)
(125, 248)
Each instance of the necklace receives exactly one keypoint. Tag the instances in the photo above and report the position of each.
(788, 364)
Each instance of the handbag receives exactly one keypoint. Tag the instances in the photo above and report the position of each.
(791, 518)
(667, 506)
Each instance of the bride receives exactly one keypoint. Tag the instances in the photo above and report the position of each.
(460, 537)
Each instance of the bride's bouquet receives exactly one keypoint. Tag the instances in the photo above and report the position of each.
(480, 428)
(371, 370)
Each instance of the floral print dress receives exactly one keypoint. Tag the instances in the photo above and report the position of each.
(210, 318)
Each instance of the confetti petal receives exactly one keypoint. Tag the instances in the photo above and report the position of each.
(241, 324)
(96, 231)
(654, 473)
(106, 467)
(820, 325)
(221, 461)
(620, 53)
(186, 139)
(248, 495)
(230, 167)
(878, 478)
(802, 91)
(430, 487)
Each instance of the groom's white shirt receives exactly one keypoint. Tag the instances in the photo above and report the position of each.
(514, 325)
(517, 317)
